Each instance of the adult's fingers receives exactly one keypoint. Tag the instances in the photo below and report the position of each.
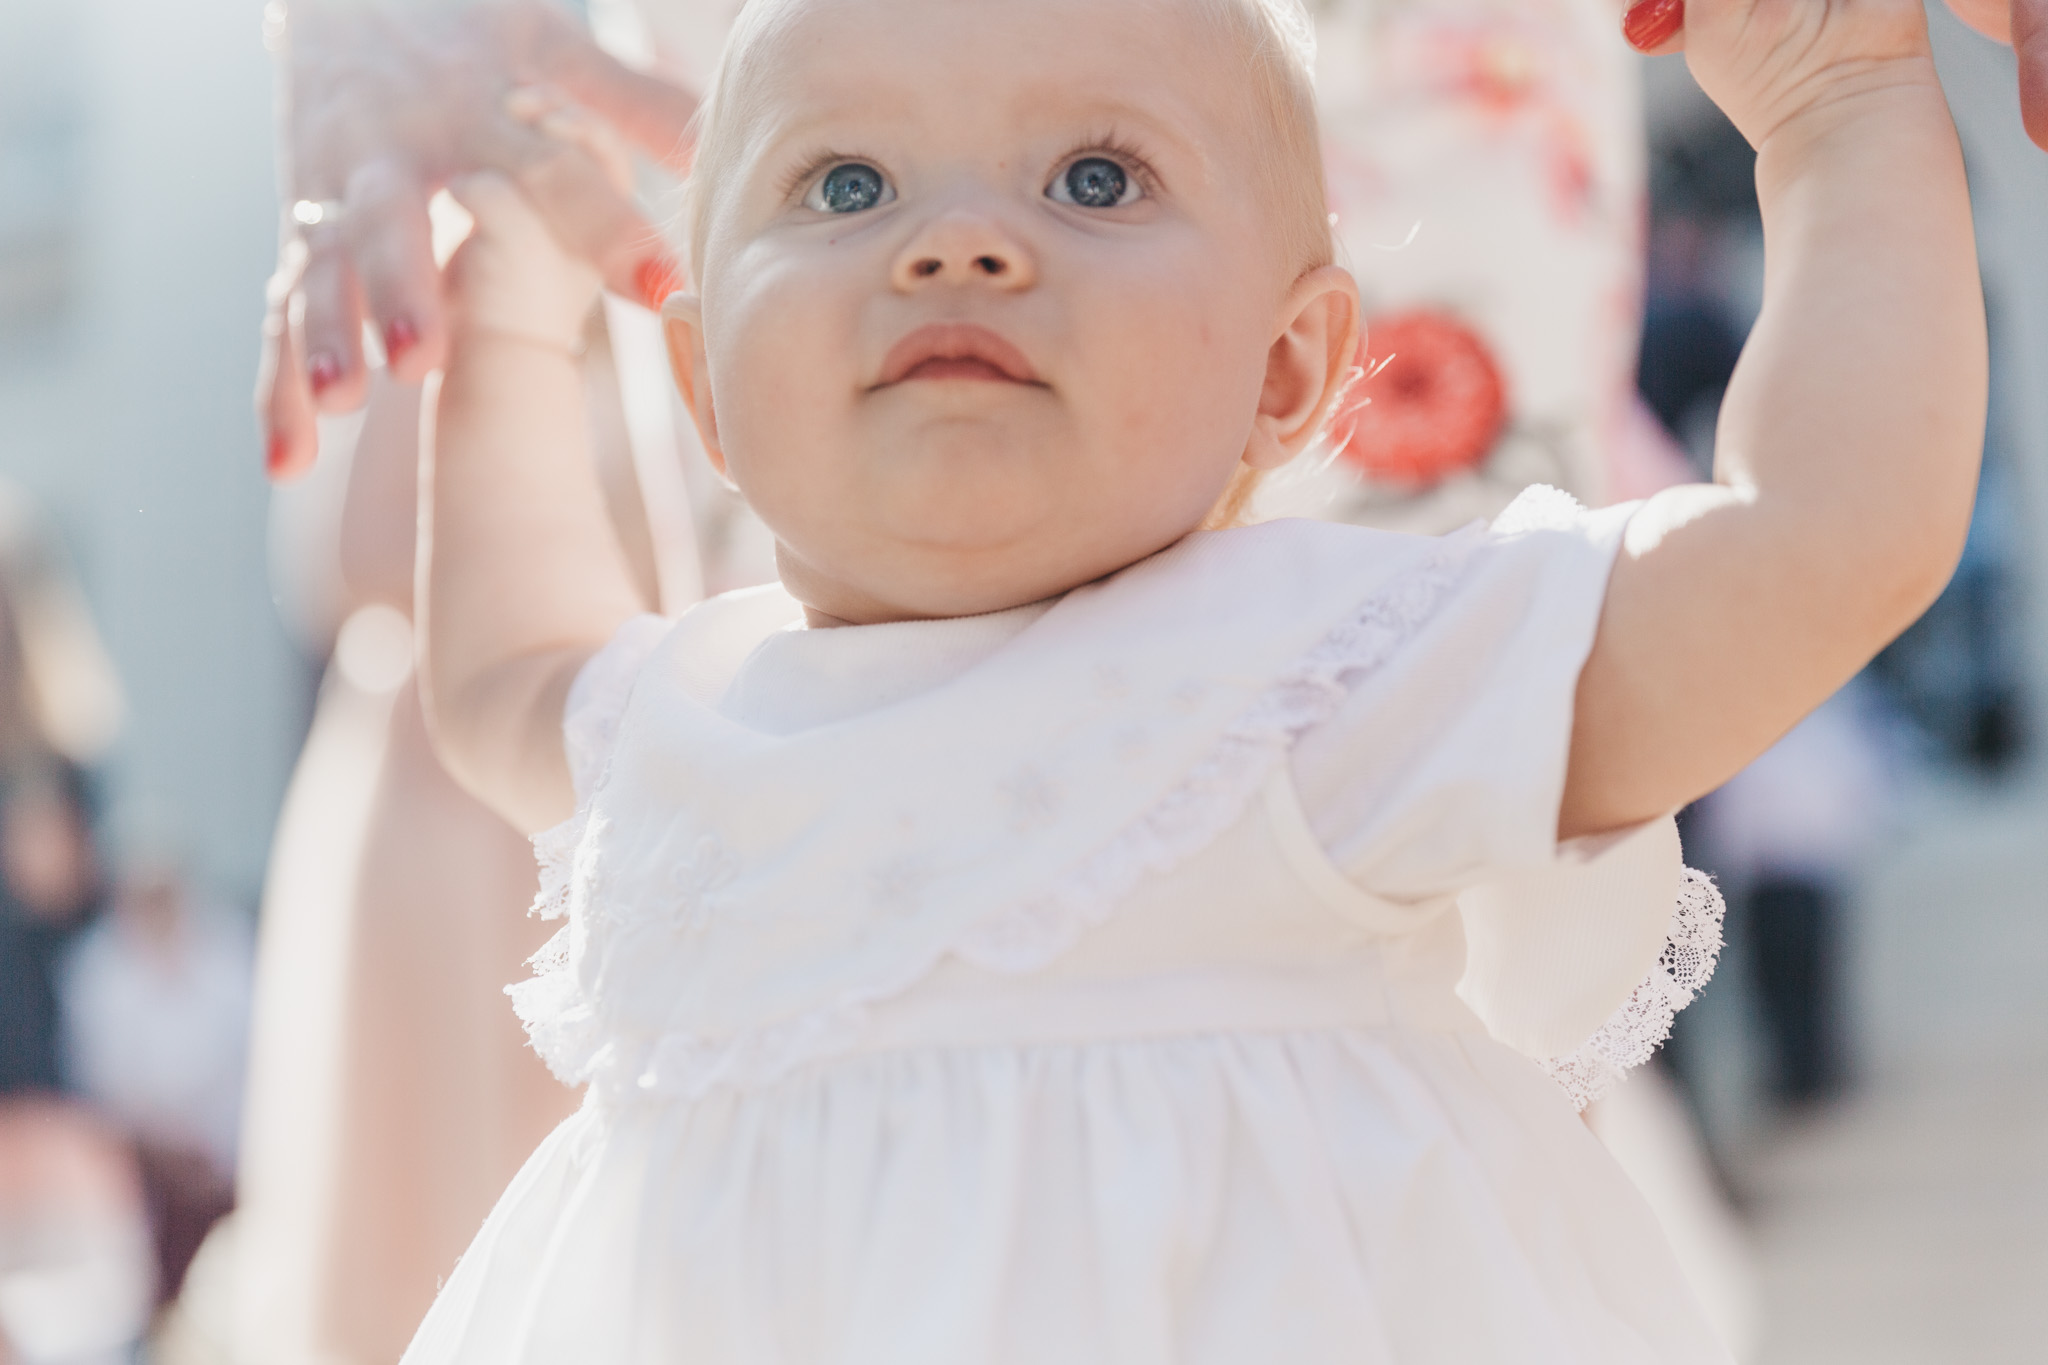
(391, 242)
(556, 117)
(593, 219)
(1655, 27)
(2030, 41)
(652, 113)
(330, 324)
(284, 402)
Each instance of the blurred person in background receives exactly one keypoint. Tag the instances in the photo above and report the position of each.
(155, 1003)
(58, 709)
(76, 1271)
(1785, 836)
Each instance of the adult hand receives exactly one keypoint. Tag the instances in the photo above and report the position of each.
(1656, 27)
(2024, 24)
(381, 104)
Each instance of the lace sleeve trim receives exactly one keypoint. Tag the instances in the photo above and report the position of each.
(563, 1022)
(1640, 1026)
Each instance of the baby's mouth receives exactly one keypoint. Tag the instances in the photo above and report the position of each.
(956, 367)
(956, 351)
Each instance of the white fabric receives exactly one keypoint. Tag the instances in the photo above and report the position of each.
(1022, 1013)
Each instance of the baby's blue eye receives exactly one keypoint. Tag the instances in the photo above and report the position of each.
(1094, 182)
(850, 187)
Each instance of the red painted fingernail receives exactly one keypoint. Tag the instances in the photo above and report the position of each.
(656, 278)
(400, 336)
(275, 454)
(322, 372)
(1651, 24)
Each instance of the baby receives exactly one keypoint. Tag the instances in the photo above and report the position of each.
(1041, 928)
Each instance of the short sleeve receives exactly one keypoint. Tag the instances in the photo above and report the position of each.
(597, 699)
(1445, 768)
(1552, 953)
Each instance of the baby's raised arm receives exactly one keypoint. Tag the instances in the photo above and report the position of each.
(1847, 453)
(521, 576)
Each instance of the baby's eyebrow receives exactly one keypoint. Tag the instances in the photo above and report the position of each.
(1051, 111)
(1157, 129)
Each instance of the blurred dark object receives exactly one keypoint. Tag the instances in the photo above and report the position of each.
(1689, 343)
(186, 1193)
(59, 707)
(1957, 672)
(1784, 839)
(1791, 933)
(47, 886)
(1704, 226)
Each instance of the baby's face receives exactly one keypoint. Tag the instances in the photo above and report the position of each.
(989, 296)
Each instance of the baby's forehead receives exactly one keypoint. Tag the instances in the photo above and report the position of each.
(1228, 81)
(1017, 61)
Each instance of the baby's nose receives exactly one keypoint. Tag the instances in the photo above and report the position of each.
(964, 247)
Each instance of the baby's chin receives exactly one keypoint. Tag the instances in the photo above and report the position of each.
(899, 580)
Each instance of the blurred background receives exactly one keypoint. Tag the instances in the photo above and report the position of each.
(1869, 1069)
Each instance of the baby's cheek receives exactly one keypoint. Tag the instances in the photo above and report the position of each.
(773, 369)
(1190, 368)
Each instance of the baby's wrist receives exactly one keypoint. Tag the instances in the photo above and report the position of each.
(1871, 100)
(553, 320)
(1895, 117)
(470, 334)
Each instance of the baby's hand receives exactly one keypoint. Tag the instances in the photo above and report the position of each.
(1771, 63)
(512, 277)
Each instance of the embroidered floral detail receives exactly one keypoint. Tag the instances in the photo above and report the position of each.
(697, 880)
(1640, 1026)
(897, 886)
(1031, 799)
(1132, 743)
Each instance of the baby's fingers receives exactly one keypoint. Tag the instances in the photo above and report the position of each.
(501, 211)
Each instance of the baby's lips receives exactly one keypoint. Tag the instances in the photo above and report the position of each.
(1653, 23)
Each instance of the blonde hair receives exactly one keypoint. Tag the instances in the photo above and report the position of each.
(1277, 38)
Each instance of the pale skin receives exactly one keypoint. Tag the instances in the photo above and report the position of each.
(1166, 341)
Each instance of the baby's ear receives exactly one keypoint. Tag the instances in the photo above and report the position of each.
(682, 327)
(1308, 366)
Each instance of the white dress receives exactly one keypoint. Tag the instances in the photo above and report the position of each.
(1141, 978)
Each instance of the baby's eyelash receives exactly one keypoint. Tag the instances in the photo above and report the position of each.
(1122, 148)
(810, 169)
